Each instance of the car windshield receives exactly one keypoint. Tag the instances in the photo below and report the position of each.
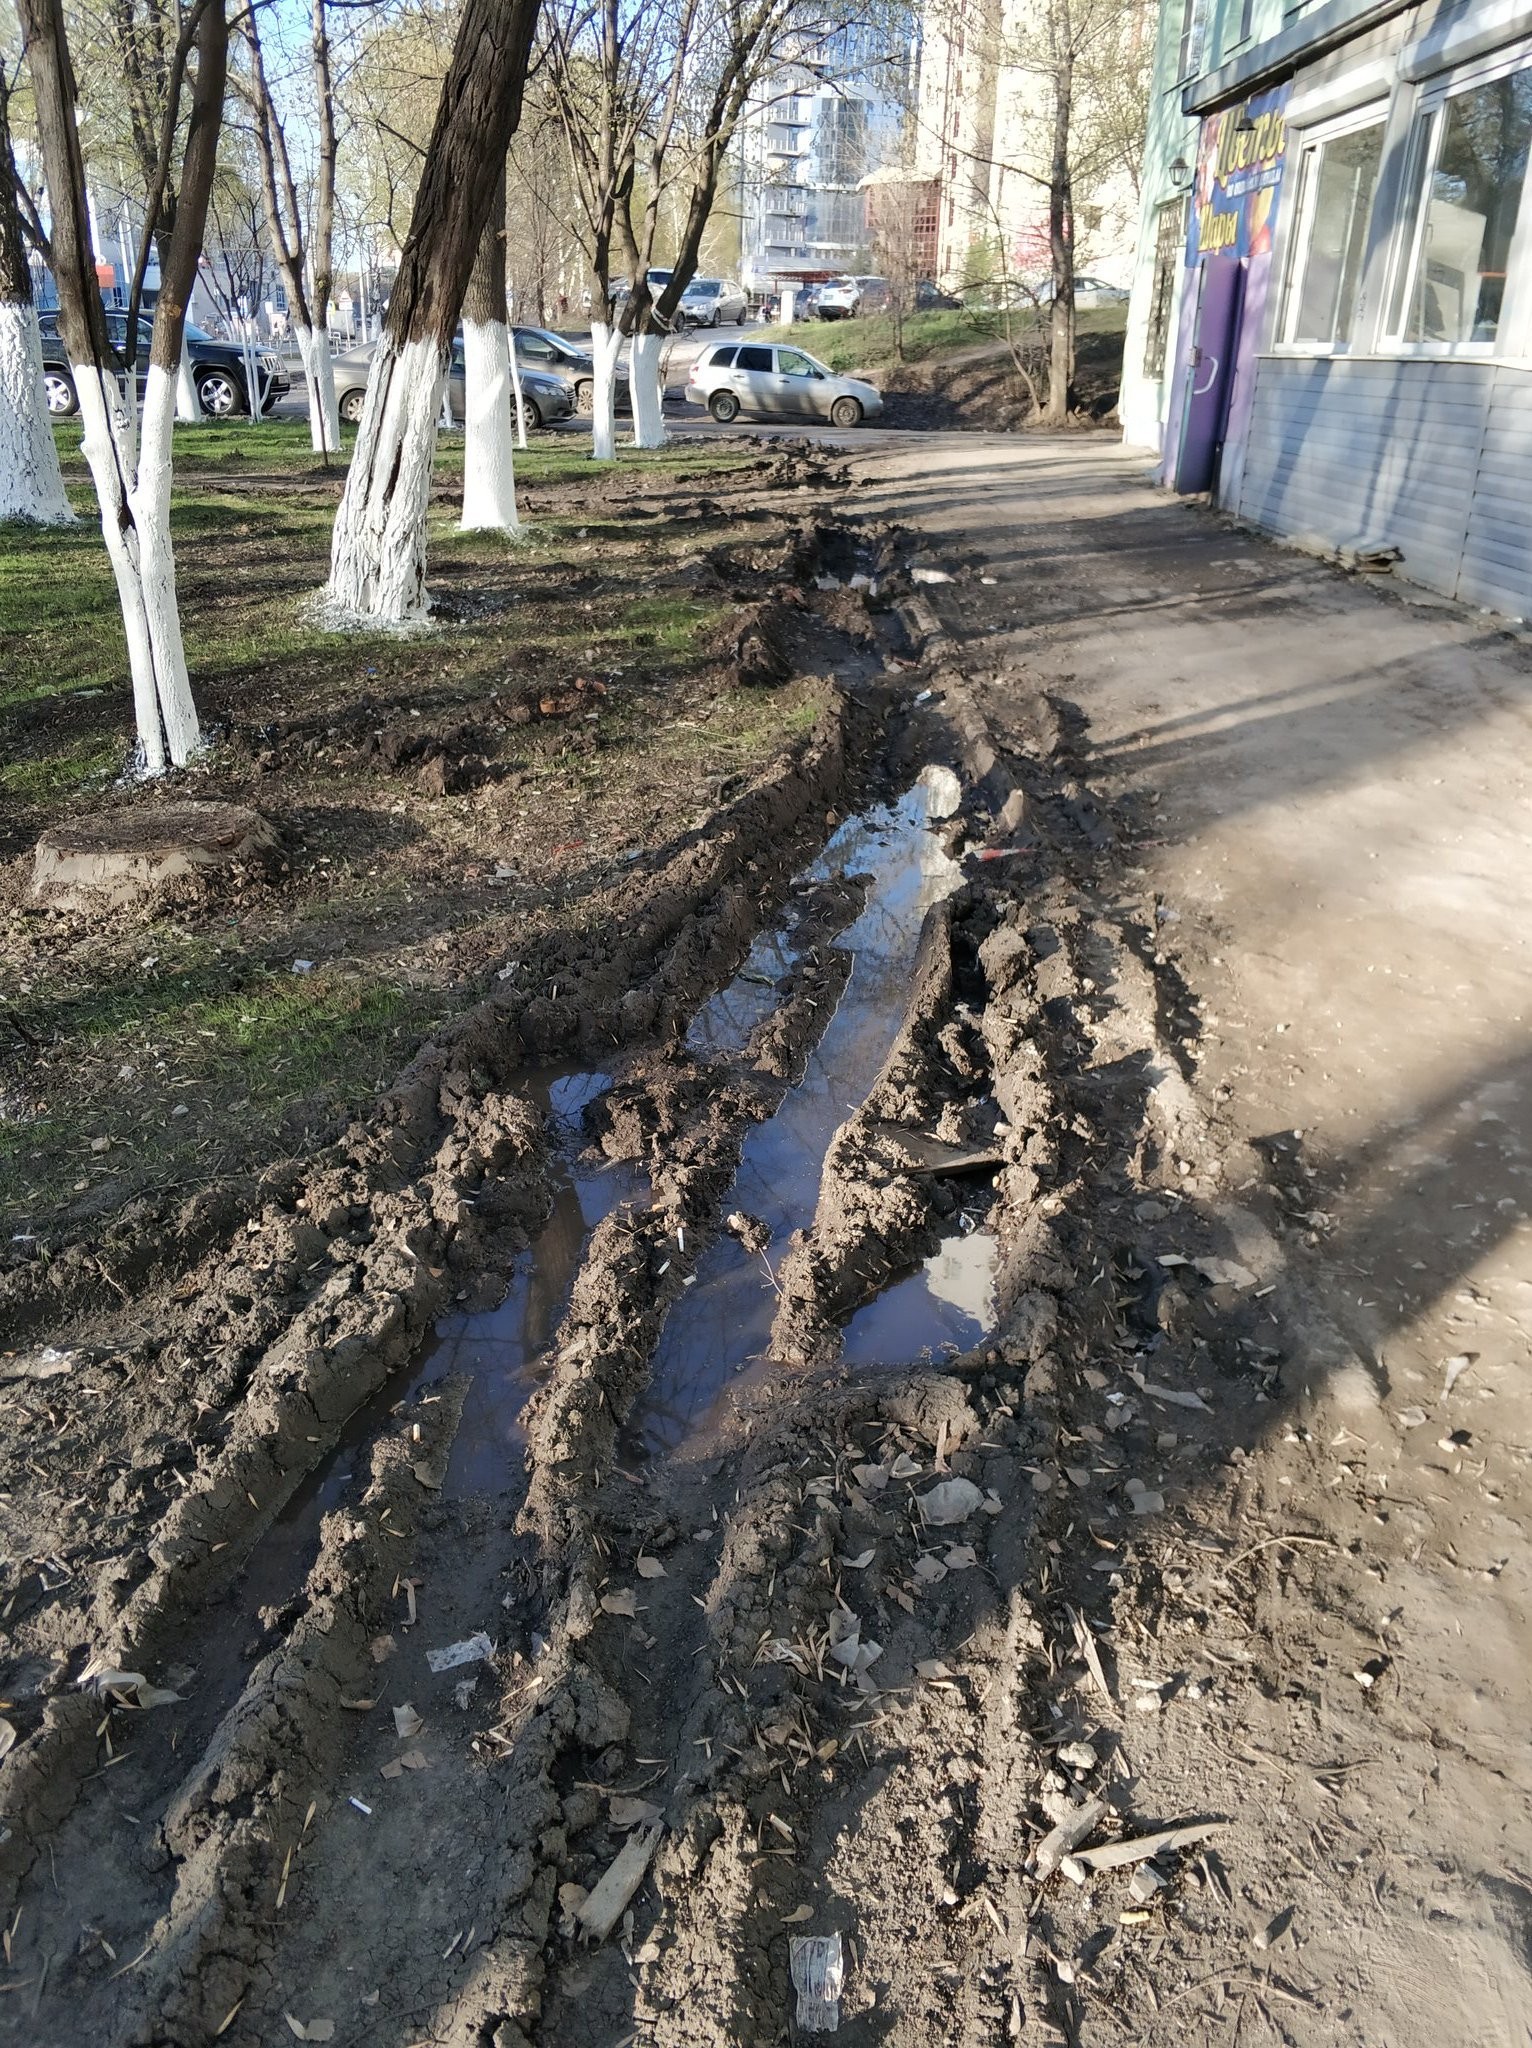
(797, 362)
(705, 287)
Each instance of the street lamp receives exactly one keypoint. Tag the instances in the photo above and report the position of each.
(1180, 174)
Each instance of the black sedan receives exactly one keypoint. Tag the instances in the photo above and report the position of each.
(218, 368)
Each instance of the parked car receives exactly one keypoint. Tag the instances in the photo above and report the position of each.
(845, 298)
(1089, 291)
(218, 368)
(545, 397)
(538, 348)
(713, 302)
(930, 298)
(619, 288)
(778, 383)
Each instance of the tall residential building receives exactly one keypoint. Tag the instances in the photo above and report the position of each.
(984, 129)
(814, 131)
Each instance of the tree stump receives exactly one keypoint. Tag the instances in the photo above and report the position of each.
(106, 863)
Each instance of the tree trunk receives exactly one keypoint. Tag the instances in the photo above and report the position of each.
(1061, 226)
(30, 484)
(378, 553)
(489, 468)
(319, 375)
(130, 462)
(516, 394)
(605, 347)
(188, 404)
(648, 391)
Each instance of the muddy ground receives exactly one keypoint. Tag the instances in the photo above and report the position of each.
(812, 1346)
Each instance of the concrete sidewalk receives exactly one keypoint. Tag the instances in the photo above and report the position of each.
(1315, 796)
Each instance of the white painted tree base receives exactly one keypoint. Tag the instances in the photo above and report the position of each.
(378, 552)
(188, 404)
(132, 471)
(489, 464)
(605, 346)
(31, 487)
(648, 391)
(319, 374)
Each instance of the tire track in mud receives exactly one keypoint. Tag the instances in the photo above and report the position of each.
(712, 1692)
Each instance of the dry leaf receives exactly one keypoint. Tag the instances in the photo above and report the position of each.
(904, 1467)
(623, 1601)
(392, 1769)
(931, 1570)
(651, 1568)
(415, 1760)
(626, 1812)
(871, 1478)
(360, 1706)
(932, 1667)
(960, 1558)
(382, 1647)
(860, 1562)
(316, 2030)
(407, 1722)
(1225, 1273)
(7, 1737)
(797, 1916)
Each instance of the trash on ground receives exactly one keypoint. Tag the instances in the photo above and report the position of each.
(406, 1721)
(651, 1568)
(1455, 1369)
(623, 1601)
(1225, 1272)
(315, 2030)
(128, 1688)
(471, 1650)
(950, 1501)
(919, 573)
(463, 1692)
(600, 1913)
(818, 1966)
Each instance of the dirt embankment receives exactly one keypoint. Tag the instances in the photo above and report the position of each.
(982, 390)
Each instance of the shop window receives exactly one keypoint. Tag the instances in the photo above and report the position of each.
(1336, 180)
(1468, 164)
(1169, 260)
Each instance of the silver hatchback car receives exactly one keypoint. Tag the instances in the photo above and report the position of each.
(777, 383)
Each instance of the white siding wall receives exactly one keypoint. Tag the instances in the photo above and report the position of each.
(1432, 457)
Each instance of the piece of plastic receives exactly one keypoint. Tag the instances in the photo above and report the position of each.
(818, 1966)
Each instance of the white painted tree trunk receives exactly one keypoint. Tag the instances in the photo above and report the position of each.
(521, 409)
(378, 553)
(606, 345)
(489, 469)
(30, 484)
(319, 375)
(133, 487)
(188, 404)
(648, 391)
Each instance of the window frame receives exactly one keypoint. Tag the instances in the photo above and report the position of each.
(1426, 123)
(1374, 113)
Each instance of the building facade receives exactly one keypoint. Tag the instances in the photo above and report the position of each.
(813, 133)
(984, 133)
(1332, 317)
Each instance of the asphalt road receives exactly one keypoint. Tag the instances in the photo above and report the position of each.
(683, 352)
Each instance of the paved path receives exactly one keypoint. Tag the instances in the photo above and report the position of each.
(1327, 783)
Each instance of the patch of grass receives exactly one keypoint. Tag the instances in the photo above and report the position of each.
(32, 781)
(847, 346)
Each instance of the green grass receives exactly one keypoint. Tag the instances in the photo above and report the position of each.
(851, 345)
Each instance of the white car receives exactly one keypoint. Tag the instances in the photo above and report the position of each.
(713, 302)
(777, 383)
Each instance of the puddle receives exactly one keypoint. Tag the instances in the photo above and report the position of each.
(947, 1304)
(725, 1319)
(498, 1347)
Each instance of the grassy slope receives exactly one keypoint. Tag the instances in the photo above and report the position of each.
(867, 345)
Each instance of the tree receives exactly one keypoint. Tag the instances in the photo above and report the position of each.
(129, 457)
(31, 486)
(378, 552)
(305, 260)
(489, 466)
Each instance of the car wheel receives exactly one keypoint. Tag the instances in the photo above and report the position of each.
(351, 404)
(717, 316)
(846, 412)
(532, 410)
(585, 396)
(60, 393)
(724, 406)
(220, 396)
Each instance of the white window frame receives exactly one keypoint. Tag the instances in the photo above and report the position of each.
(1430, 102)
(1374, 114)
